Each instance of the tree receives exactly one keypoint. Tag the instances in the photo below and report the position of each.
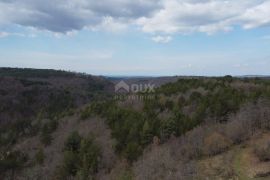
(146, 133)
(89, 155)
(132, 151)
(228, 78)
(169, 104)
(81, 157)
(71, 163)
(39, 156)
(73, 142)
(181, 101)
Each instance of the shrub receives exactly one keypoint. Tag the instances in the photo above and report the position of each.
(262, 149)
(215, 143)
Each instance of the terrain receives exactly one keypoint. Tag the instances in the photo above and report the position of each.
(65, 125)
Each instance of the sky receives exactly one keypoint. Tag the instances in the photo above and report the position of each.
(137, 37)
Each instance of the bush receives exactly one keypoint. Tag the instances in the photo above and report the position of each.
(215, 143)
(262, 149)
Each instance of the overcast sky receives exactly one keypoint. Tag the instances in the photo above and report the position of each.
(137, 37)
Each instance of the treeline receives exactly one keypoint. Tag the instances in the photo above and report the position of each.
(36, 73)
(134, 130)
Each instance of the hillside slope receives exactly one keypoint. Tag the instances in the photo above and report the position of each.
(27, 92)
(191, 128)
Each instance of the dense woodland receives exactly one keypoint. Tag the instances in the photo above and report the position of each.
(63, 125)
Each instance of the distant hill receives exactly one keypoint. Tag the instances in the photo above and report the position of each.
(157, 81)
(28, 92)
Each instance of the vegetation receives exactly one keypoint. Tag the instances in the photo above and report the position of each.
(262, 149)
(48, 128)
(216, 143)
(135, 130)
(81, 157)
(189, 124)
(41, 73)
(11, 161)
(39, 156)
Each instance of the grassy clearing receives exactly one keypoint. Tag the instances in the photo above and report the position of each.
(239, 165)
(244, 166)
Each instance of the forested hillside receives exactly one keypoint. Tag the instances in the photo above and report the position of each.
(25, 93)
(61, 125)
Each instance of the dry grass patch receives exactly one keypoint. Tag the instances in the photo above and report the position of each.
(216, 143)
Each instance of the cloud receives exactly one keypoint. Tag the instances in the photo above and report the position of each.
(3, 34)
(6, 34)
(110, 25)
(187, 16)
(162, 39)
(256, 16)
(151, 16)
(67, 15)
